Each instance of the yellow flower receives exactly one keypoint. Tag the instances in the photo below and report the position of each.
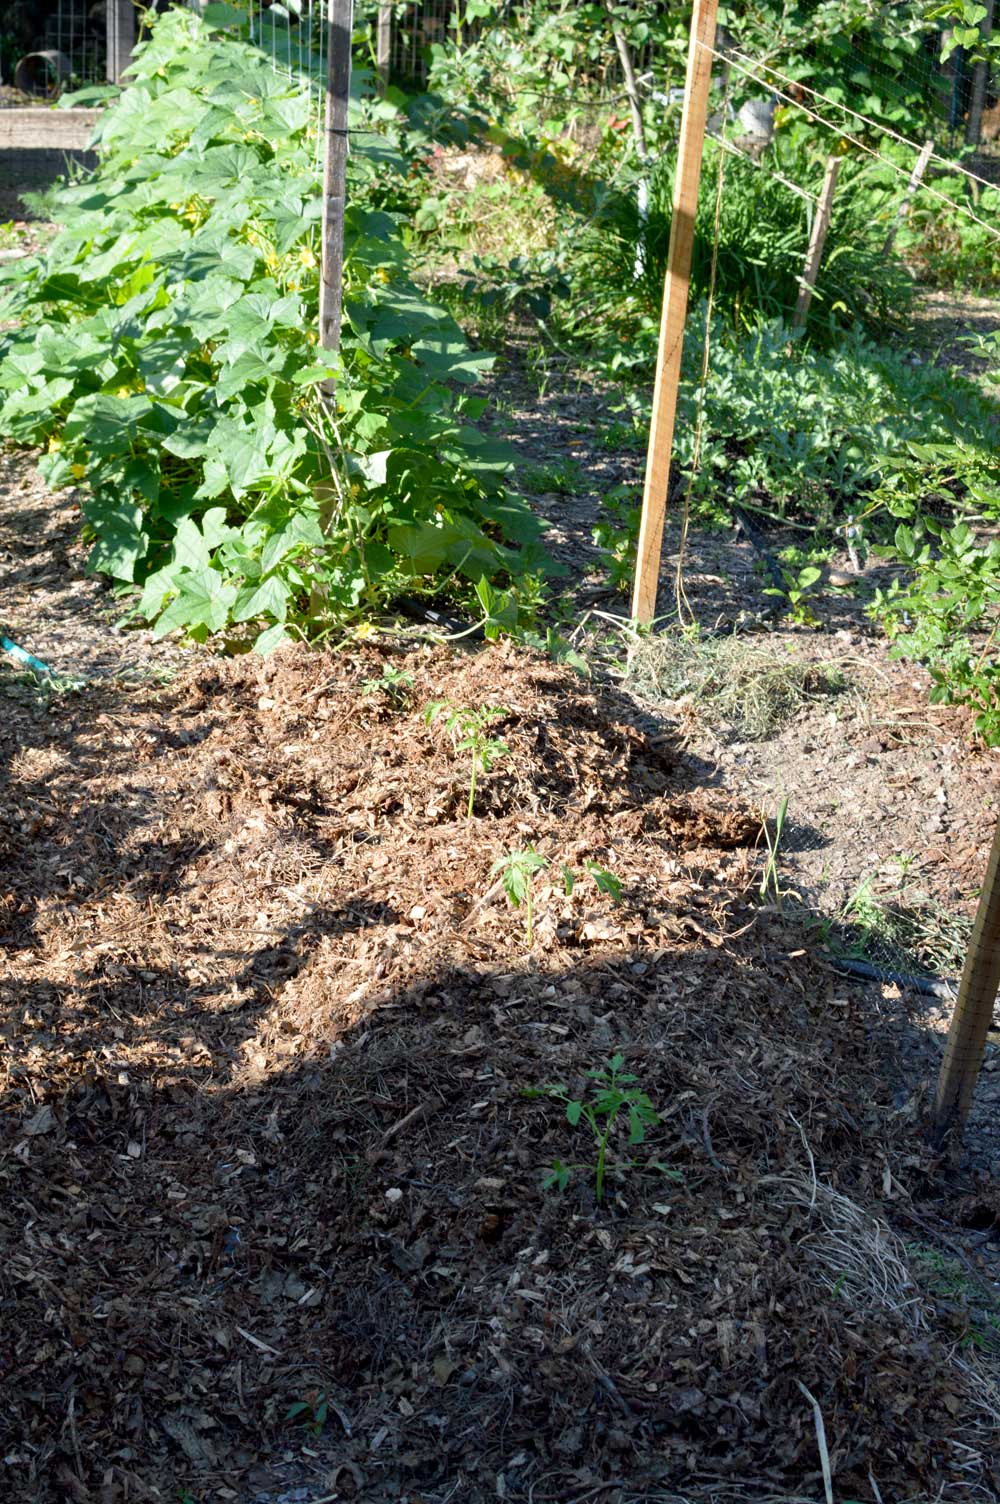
(306, 257)
(364, 630)
(54, 445)
(79, 471)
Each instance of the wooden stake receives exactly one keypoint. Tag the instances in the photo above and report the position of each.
(383, 47)
(817, 241)
(120, 22)
(674, 312)
(916, 178)
(966, 1043)
(338, 89)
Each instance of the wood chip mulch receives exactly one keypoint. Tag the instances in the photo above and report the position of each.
(268, 1024)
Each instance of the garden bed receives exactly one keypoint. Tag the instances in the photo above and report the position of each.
(273, 1218)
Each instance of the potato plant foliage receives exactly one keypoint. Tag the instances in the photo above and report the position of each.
(163, 354)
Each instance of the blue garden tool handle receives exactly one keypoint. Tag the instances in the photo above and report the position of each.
(21, 655)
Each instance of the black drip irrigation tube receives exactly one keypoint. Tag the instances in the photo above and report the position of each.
(944, 988)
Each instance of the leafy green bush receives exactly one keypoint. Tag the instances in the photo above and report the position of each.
(164, 356)
(819, 434)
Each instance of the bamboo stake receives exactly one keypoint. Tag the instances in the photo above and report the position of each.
(674, 312)
(383, 46)
(338, 89)
(966, 1043)
(916, 178)
(817, 241)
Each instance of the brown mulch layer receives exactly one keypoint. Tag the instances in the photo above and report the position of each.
(268, 1023)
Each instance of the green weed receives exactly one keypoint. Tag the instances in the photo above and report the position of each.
(563, 476)
(770, 882)
(903, 928)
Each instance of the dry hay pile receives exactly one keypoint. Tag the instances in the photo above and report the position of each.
(268, 1024)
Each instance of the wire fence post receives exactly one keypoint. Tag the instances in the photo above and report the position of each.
(338, 90)
(970, 1024)
(120, 24)
(383, 46)
(674, 313)
(817, 240)
(916, 178)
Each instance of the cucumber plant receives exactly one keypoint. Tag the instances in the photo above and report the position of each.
(162, 352)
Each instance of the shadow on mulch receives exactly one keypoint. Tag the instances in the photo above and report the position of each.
(270, 1023)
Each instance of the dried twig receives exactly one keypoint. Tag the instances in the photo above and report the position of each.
(413, 1116)
(824, 1455)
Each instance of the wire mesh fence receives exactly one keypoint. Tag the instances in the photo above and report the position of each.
(46, 50)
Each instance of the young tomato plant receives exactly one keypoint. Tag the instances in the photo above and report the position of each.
(469, 732)
(518, 868)
(309, 1412)
(394, 683)
(614, 1093)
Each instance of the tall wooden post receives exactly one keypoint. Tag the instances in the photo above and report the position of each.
(675, 302)
(383, 46)
(120, 22)
(338, 90)
(966, 1043)
(980, 74)
(817, 241)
